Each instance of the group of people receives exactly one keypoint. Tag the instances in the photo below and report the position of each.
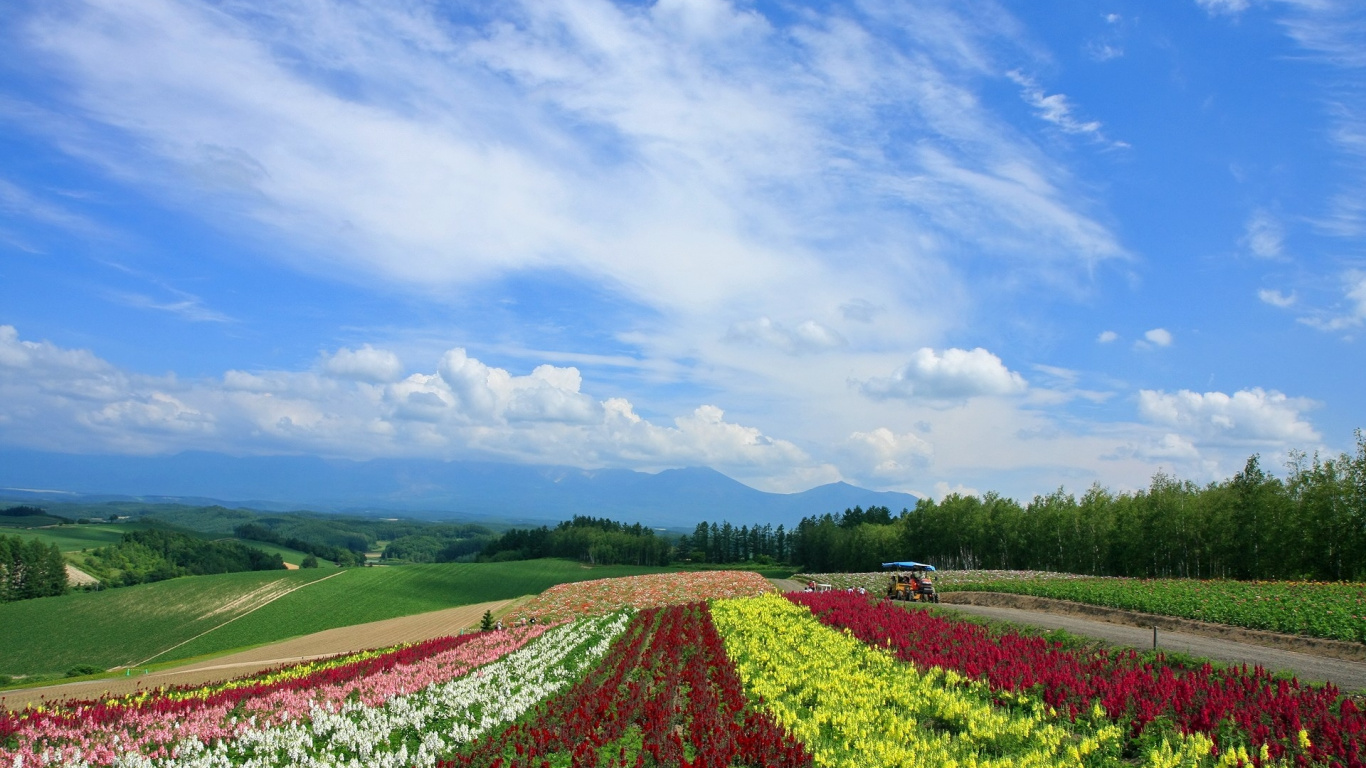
(812, 586)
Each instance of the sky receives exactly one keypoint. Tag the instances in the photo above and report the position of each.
(931, 247)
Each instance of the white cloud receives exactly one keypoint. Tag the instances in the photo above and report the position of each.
(1100, 51)
(1351, 312)
(695, 158)
(1277, 299)
(942, 489)
(1218, 7)
(956, 374)
(1053, 108)
(1169, 446)
(885, 454)
(365, 364)
(1106, 337)
(53, 398)
(1254, 415)
(1264, 235)
(1159, 337)
(807, 336)
(185, 305)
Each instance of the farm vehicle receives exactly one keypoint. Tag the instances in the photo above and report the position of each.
(910, 581)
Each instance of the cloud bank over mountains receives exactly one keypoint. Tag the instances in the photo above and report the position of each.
(362, 404)
(912, 245)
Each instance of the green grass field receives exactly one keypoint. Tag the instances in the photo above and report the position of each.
(114, 627)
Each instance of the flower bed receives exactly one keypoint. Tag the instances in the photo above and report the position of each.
(588, 598)
(666, 695)
(396, 714)
(854, 705)
(1270, 719)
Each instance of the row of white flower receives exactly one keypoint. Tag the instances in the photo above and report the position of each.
(411, 730)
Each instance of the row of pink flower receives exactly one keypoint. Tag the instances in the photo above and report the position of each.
(99, 733)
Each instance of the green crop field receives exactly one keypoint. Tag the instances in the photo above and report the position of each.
(1316, 609)
(371, 594)
(121, 626)
(74, 538)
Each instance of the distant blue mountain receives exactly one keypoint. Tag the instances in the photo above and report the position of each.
(426, 488)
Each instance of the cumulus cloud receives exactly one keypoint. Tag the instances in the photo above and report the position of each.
(1106, 337)
(1157, 337)
(53, 398)
(1248, 415)
(956, 374)
(885, 454)
(365, 364)
(806, 336)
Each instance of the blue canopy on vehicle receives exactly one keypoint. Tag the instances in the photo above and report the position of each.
(908, 564)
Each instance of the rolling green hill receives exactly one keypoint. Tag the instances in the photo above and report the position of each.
(124, 626)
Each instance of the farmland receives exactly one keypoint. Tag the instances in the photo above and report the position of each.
(126, 626)
(757, 680)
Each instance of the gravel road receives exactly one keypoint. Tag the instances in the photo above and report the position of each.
(1347, 675)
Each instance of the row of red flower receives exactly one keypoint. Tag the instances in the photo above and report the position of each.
(1295, 721)
(668, 683)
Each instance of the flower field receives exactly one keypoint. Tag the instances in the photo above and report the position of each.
(759, 680)
(587, 598)
(1248, 709)
(1317, 609)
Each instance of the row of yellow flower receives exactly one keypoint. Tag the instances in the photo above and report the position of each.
(855, 705)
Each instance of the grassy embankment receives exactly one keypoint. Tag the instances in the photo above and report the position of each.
(50, 635)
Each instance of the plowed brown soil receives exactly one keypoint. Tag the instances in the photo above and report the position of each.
(377, 634)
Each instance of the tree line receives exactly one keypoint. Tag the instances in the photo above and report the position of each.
(1309, 525)
(597, 541)
(29, 568)
(339, 555)
(155, 555)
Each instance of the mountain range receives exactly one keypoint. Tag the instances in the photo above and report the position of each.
(675, 498)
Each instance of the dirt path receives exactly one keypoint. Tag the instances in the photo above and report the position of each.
(78, 578)
(1347, 675)
(787, 585)
(330, 642)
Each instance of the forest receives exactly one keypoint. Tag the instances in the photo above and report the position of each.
(30, 568)
(1254, 525)
(156, 555)
(597, 541)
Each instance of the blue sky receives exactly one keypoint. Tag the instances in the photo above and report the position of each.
(918, 246)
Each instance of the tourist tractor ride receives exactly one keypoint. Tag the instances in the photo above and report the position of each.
(911, 582)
